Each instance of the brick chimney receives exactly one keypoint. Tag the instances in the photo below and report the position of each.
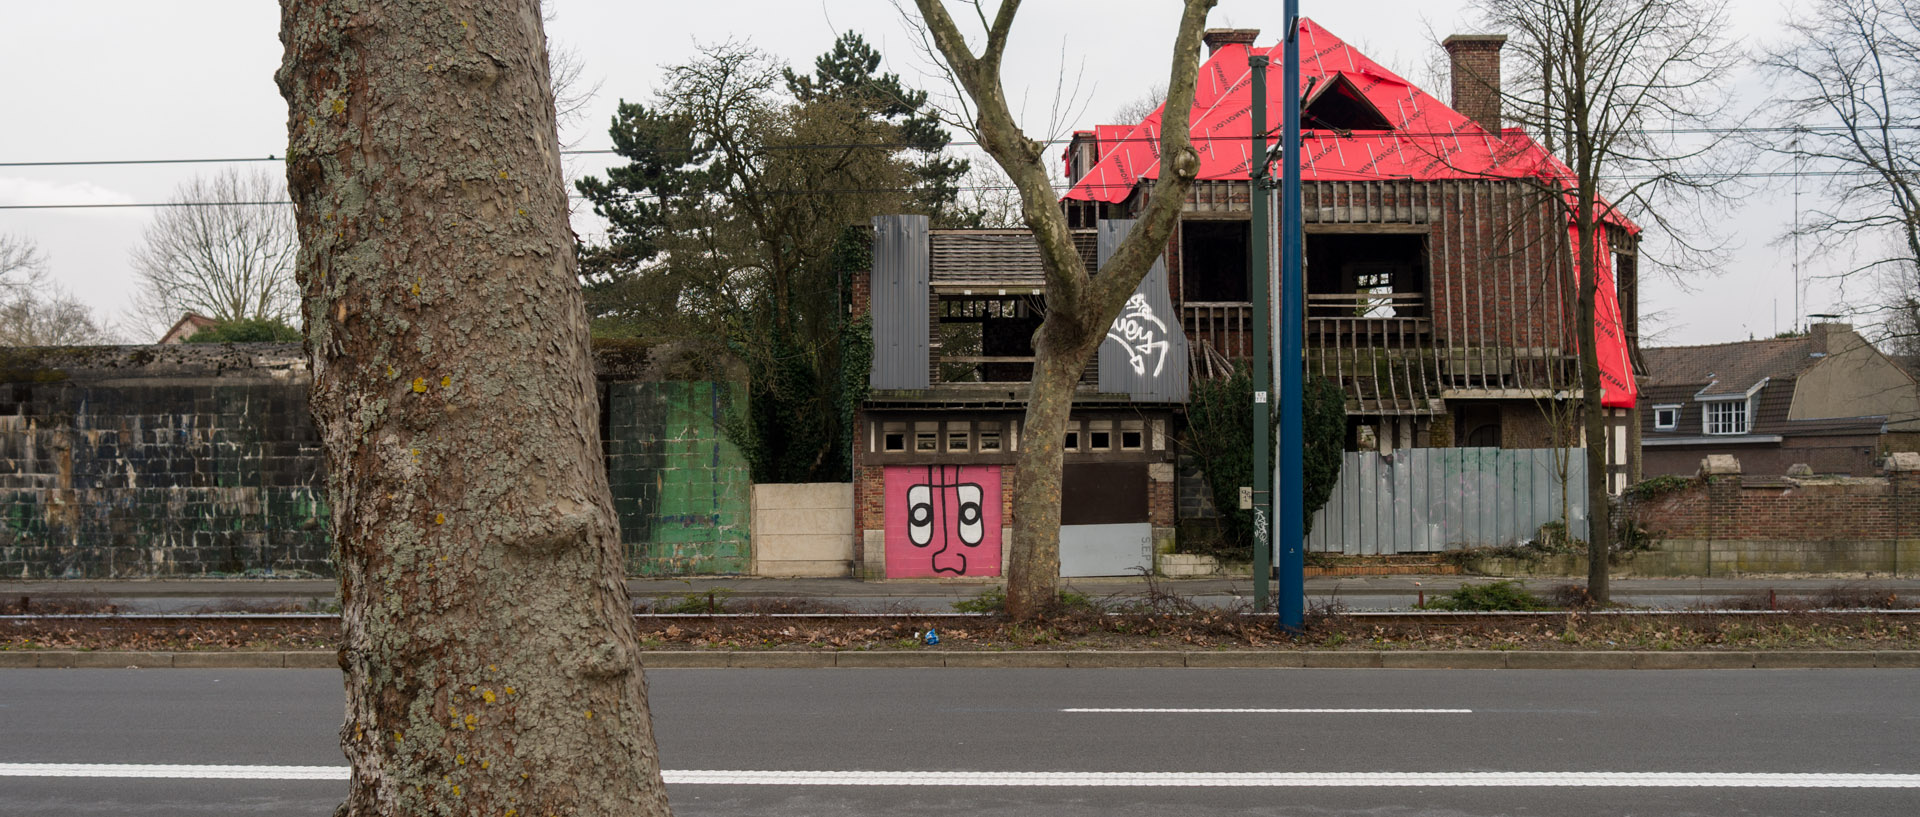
(1832, 337)
(1216, 38)
(1476, 76)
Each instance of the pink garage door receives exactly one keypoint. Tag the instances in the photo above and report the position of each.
(943, 520)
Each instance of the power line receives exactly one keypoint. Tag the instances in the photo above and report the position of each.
(877, 191)
(1730, 131)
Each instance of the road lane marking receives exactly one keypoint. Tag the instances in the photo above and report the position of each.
(187, 772)
(1296, 779)
(1278, 711)
(723, 777)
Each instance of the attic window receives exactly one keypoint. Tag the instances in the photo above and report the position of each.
(1666, 418)
(1339, 105)
(1725, 417)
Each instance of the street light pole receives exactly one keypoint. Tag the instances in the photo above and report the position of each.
(1290, 357)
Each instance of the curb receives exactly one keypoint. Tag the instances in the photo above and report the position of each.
(1055, 659)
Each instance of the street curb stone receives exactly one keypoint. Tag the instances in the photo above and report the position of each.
(1570, 660)
(1247, 660)
(1052, 659)
(1004, 660)
(1443, 659)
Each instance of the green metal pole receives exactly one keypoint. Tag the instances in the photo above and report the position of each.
(1259, 185)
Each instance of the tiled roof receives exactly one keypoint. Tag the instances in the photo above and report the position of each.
(1727, 368)
(989, 259)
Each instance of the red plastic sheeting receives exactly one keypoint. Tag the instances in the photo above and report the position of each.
(1428, 141)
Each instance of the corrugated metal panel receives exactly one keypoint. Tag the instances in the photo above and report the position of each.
(1428, 499)
(1124, 549)
(1145, 353)
(899, 300)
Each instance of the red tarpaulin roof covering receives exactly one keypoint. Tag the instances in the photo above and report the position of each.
(1348, 99)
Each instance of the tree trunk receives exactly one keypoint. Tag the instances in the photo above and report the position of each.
(1033, 563)
(491, 666)
(1593, 412)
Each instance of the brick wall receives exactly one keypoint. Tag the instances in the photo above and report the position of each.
(1721, 507)
(1861, 524)
(202, 460)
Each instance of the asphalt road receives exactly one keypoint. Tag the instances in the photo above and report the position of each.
(925, 722)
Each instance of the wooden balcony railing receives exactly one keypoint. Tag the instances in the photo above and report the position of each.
(1226, 326)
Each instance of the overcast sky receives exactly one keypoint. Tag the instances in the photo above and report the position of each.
(193, 79)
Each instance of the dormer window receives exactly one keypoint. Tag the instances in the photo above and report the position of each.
(1666, 418)
(1725, 416)
(1339, 105)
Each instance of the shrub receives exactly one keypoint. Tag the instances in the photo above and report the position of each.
(1506, 594)
(247, 331)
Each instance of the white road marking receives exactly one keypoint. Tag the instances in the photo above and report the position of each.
(1297, 779)
(195, 772)
(1282, 711)
(721, 777)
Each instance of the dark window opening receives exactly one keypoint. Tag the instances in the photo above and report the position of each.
(1130, 440)
(1339, 105)
(1099, 440)
(1073, 441)
(1366, 276)
(1214, 258)
(896, 441)
(987, 339)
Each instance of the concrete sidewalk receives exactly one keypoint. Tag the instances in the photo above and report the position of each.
(1356, 592)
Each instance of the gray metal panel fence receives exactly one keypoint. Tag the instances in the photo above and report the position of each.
(899, 298)
(1145, 352)
(1430, 499)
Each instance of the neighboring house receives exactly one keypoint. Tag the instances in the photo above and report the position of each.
(188, 325)
(1827, 400)
(1440, 293)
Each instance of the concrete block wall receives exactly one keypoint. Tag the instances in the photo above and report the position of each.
(202, 460)
(803, 530)
(212, 469)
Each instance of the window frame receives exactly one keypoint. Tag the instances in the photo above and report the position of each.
(1670, 425)
(1740, 406)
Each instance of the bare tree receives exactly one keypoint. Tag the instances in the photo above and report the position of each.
(490, 660)
(224, 248)
(1605, 84)
(1848, 85)
(36, 311)
(1140, 107)
(1080, 307)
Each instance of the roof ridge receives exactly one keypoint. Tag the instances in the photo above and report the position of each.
(1724, 343)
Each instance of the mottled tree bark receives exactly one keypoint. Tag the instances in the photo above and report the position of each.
(491, 666)
(1080, 307)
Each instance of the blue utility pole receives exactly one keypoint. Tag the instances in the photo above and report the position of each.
(1291, 359)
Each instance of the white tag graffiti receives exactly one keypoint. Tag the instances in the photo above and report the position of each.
(1141, 334)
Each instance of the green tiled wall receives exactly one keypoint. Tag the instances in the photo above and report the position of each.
(681, 489)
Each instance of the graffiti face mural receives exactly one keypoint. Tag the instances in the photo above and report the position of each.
(1142, 335)
(943, 520)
